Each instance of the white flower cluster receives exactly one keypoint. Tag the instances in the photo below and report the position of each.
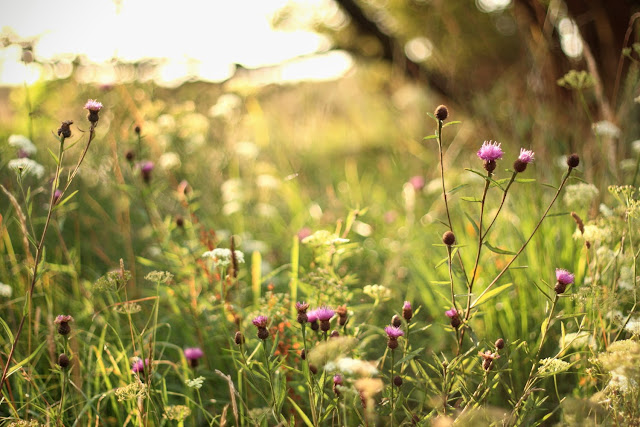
(195, 383)
(580, 194)
(23, 143)
(5, 290)
(349, 366)
(26, 166)
(377, 292)
(222, 257)
(552, 366)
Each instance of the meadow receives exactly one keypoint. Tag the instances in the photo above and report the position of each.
(313, 255)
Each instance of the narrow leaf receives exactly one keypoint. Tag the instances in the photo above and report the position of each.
(498, 250)
(492, 293)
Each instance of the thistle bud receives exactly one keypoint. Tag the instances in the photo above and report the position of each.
(499, 344)
(573, 161)
(239, 338)
(442, 112)
(396, 321)
(63, 361)
(448, 238)
(397, 380)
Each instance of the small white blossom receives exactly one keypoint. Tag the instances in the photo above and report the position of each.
(635, 146)
(5, 290)
(552, 366)
(377, 292)
(222, 257)
(23, 143)
(349, 366)
(195, 383)
(633, 326)
(26, 166)
(607, 129)
(580, 194)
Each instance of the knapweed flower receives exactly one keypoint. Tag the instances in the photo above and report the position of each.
(192, 354)
(94, 108)
(337, 381)
(564, 278)
(302, 308)
(487, 359)
(312, 318)
(393, 333)
(342, 315)
(56, 195)
(260, 322)
(526, 157)
(324, 316)
(490, 152)
(64, 130)
(63, 321)
(145, 170)
(138, 366)
(454, 316)
(407, 311)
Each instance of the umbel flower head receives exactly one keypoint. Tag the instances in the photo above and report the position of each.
(564, 278)
(526, 157)
(63, 321)
(192, 354)
(490, 152)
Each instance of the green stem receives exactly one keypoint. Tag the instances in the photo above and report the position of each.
(266, 359)
(393, 404)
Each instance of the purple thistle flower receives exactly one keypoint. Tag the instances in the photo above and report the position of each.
(193, 353)
(56, 195)
(451, 313)
(302, 306)
(407, 311)
(564, 277)
(337, 379)
(393, 332)
(406, 305)
(93, 105)
(260, 321)
(324, 314)
(63, 318)
(138, 365)
(145, 169)
(526, 156)
(490, 151)
(312, 316)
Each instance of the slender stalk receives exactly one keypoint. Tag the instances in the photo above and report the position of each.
(266, 360)
(480, 238)
(444, 191)
(506, 267)
(39, 252)
(64, 387)
(532, 377)
(312, 398)
(393, 403)
(504, 197)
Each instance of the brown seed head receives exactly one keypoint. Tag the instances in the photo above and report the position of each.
(448, 238)
(442, 112)
(573, 160)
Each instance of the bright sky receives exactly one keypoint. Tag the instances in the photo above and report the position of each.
(213, 34)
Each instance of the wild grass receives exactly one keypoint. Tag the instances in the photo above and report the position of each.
(186, 224)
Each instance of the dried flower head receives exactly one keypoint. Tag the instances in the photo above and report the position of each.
(342, 313)
(488, 358)
(63, 361)
(135, 390)
(65, 129)
(302, 308)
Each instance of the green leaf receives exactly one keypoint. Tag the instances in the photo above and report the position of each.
(66, 199)
(557, 214)
(25, 361)
(430, 137)
(455, 122)
(7, 330)
(471, 199)
(55, 158)
(492, 293)
(473, 223)
(525, 180)
(454, 189)
(410, 356)
(442, 261)
(498, 250)
(303, 416)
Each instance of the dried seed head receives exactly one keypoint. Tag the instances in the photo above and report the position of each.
(442, 112)
(65, 129)
(578, 221)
